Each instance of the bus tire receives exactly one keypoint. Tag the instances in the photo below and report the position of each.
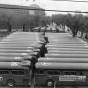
(11, 83)
(50, 83)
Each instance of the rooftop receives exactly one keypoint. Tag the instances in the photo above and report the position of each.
(35, 5)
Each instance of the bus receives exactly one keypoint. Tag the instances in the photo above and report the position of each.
(15, 73)
(58, 74)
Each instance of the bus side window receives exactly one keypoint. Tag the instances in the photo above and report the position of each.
(50, 72)
(73, 73)
(70, 72)
(5, 72)
(56, 73)
(82, 73)
(40, 72)
(67, 73)
(14, 72)
(18, 72)
(0, 72)
(22, 73)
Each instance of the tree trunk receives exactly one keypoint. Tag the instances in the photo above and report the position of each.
(31, 27)
(63, 27)
(9, 27)
(82, 34)
(23, 27)
(73, 32)
(86, 36)
(76, 31)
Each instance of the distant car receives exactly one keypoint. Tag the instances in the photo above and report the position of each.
(36, 29)
(48, 29)
(43, 29)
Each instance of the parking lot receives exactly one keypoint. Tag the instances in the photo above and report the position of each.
(60, 45)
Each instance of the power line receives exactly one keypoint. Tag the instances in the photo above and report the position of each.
(71, 1)
(28, 0)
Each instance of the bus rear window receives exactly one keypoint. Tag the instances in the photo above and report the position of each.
(18, 72)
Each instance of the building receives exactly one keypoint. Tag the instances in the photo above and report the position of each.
(37, 11)
(20, 14)
(33, 9)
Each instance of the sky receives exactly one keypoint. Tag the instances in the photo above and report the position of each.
(51, 5)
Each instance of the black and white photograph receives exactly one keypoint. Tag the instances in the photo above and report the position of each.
(43, 43)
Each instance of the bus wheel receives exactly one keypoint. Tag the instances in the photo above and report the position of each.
(11, 83)
(50, 83)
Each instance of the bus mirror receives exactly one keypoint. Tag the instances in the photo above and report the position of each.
(26, 63)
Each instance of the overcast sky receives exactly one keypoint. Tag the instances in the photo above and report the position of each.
(51, 5)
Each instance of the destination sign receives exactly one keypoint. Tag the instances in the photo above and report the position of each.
(72, 78)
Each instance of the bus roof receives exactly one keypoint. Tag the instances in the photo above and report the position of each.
(58, 45)
(22, 45)
(67, 52)
(65, 42)
(14, 65)
(15, 51)
(55, 65)
(18, 54)
(83, 47)
(16, 59)
(13, 40)
(66, 60)
(21, 50)
(17, 47)
(80, 49)
(67, 55)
